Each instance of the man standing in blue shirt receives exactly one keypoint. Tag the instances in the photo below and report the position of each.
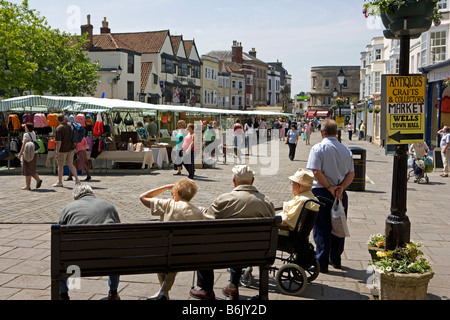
(332, 165)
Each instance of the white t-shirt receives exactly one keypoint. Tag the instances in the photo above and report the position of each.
(445, 139)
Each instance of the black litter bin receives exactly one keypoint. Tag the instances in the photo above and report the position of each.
(359, 160)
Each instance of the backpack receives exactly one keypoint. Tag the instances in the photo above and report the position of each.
(41, 145)
(14, 122)
(77, 133)
(27, 118)
(15, 145)
(40, 120)
(52, 120)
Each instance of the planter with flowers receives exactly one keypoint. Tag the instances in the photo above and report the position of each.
(376, 243)
(404, 273)
(404, 17)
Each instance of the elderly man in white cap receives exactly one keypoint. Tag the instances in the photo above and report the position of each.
(245, 201)
(301, 182)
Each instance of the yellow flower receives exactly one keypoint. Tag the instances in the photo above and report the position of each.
(381, 254)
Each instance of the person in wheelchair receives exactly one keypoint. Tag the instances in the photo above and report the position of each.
(301, 183)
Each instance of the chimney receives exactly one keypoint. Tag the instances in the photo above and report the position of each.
(104, 28)
(236, 52)
(252, 53)
(89, 29)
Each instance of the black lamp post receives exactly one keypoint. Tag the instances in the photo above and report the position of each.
(341, 79)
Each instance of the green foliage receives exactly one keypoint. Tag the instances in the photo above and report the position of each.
(41, 60)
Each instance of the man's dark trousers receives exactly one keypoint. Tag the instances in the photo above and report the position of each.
(329, 248)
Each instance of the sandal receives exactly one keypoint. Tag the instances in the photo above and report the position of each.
(39, 184)
(26, 188)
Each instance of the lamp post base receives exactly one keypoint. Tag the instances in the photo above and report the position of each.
(397, 231)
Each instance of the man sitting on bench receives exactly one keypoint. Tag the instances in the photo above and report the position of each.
(245, 201)
(87, 209)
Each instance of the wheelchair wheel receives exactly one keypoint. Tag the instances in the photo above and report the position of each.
(291, 279)
(313, 272)
(246, 277)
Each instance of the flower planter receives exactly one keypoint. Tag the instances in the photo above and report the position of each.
(373, 252)
(411, 19)
(399, 286)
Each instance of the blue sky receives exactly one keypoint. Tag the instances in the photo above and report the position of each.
(299, 33)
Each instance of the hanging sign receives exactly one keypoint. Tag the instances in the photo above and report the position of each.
(405, 108)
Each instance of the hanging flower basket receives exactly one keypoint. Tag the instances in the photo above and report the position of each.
(404, 17)
(447, 82)
(412, 18)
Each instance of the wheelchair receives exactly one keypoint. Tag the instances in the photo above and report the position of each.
(299, 263)
(420, 168)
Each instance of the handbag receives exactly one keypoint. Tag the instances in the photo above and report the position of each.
(128, 120)
(117, 118)
(339, 226)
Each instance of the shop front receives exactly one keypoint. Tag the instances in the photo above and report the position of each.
(437, 101)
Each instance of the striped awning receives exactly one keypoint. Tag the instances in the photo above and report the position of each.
(97, 105)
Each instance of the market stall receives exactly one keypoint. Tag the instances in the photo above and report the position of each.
(119, 120)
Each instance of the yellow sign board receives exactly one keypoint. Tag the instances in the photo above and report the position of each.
(405, 113)
(340, 121)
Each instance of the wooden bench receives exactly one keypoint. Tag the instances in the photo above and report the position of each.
(162, 247)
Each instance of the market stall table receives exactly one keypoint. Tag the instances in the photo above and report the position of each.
(146, 157)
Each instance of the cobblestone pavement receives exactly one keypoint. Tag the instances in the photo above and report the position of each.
(25, 219)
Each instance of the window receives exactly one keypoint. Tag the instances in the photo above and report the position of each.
(377, 82)
(327, 83)
(155, 79)
(377, 54)
(314, 83)
(167, 66)
(438, 46)
(196, 72)
(130, 63)
(184, 70)
(442, 4)
(345, 85)
(423, 50)
(130, 90)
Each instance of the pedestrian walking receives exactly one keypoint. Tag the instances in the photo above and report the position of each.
(177, 153)
(249, 132)
(81, 162)
(292, 140)
(307, 132)
(362, 130)
(445, 143)
(332, 165)
(189, 151)
(350, 130)
(65, 150)
(29, 166)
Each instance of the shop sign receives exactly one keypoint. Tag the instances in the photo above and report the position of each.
(405, 108)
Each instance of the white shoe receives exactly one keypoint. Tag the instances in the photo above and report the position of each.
(77, 182)
(58, 185)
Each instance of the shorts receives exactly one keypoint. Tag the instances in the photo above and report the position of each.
(65, 158)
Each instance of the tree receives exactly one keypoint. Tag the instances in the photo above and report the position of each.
(40, 59)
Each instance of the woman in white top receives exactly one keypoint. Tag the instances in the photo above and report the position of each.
(249, 130)
(29, 168)
(350, 130)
